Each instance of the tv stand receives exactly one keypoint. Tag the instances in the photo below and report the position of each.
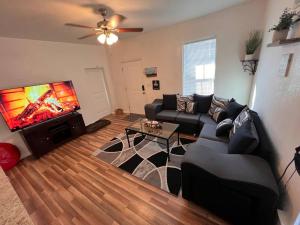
(48, 135)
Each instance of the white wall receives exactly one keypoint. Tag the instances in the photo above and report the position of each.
(26, 62)
(163, 48)
(278, 102)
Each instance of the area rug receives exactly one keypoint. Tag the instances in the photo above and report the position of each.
(146, 159)
(132, 117)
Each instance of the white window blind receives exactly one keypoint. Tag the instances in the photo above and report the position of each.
(199, 65)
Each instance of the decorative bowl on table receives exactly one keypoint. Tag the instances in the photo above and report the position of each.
(152, 124)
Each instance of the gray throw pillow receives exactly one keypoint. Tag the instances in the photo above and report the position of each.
(244, 116)
(245, 140)
(224, 127)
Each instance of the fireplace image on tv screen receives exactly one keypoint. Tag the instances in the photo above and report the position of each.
(26, 106)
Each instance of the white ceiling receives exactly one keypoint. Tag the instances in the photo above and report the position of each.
(44, 19)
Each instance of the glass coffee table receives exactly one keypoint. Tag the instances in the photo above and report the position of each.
(165, 133)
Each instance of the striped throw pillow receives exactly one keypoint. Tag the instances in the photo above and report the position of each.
(217, 103)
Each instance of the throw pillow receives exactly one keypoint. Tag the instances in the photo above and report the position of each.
(182, 101)
(233, 109)
(245, 140)
(217, 102)
(180, 105)
(203, 102)
(240, 120)
(219, 114)
(190, 107)
(224, 127)
(169, 102)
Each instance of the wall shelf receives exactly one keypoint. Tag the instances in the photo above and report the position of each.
(250, 66)
(284, 42)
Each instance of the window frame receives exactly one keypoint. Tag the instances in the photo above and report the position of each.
(182, 57)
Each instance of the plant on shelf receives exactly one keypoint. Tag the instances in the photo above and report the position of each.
(252, 44)
(282, 28)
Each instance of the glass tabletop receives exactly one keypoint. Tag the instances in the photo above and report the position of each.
(166, 130)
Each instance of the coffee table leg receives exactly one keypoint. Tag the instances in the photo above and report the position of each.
(178, 140)
(127, 138)
(168, 149)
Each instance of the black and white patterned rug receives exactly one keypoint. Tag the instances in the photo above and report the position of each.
(146, 159)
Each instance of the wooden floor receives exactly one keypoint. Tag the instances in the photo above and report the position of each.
(69, 186)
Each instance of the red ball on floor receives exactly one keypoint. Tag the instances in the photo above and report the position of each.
(9, 156)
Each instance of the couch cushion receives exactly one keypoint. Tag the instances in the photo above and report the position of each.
(169, 102)
(188, 118)
(203, 102)
(209, 145)
(206, 119)
(167, 115)
(245, 139)
(209, 132)
(233, 109)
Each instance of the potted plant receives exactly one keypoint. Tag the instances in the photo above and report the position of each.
(294, 31)
(252, 44)
(282, 28)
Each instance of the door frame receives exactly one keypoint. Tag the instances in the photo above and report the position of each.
(107, 90)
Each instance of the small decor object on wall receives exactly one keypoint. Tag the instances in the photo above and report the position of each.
(281, 30)
(294, 31)
(250, 66)
(155, 85)
(252, 44)
(151, 71)
(285, 64)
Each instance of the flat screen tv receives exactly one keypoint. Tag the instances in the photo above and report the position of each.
(26, 106)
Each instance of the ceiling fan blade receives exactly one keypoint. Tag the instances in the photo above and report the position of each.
(122, 30)
(115, 20)
(78, 25)
(88, 35)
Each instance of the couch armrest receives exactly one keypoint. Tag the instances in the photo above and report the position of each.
(240, 188)
(152, 109)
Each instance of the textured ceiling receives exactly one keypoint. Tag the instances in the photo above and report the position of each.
(44, 19)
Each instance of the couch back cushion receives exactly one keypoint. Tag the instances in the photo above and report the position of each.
(233, 109)
(203, 102)
(169, 102)
(265, 148)
(245, 140)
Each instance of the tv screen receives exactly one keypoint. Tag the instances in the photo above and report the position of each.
(26, 106)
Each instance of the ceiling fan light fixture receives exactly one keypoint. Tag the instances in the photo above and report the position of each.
(112, 38)
(102, 38)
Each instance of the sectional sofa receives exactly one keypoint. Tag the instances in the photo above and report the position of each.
(240, 186)
(189, 123)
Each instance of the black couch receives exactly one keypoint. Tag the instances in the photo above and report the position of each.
(189, 123)
(241, 188)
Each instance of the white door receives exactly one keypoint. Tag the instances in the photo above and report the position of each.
(135, 87)
(98, 103)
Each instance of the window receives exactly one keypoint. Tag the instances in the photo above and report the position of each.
(199, 65)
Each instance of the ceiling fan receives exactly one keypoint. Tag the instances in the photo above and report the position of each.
(106, 28)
